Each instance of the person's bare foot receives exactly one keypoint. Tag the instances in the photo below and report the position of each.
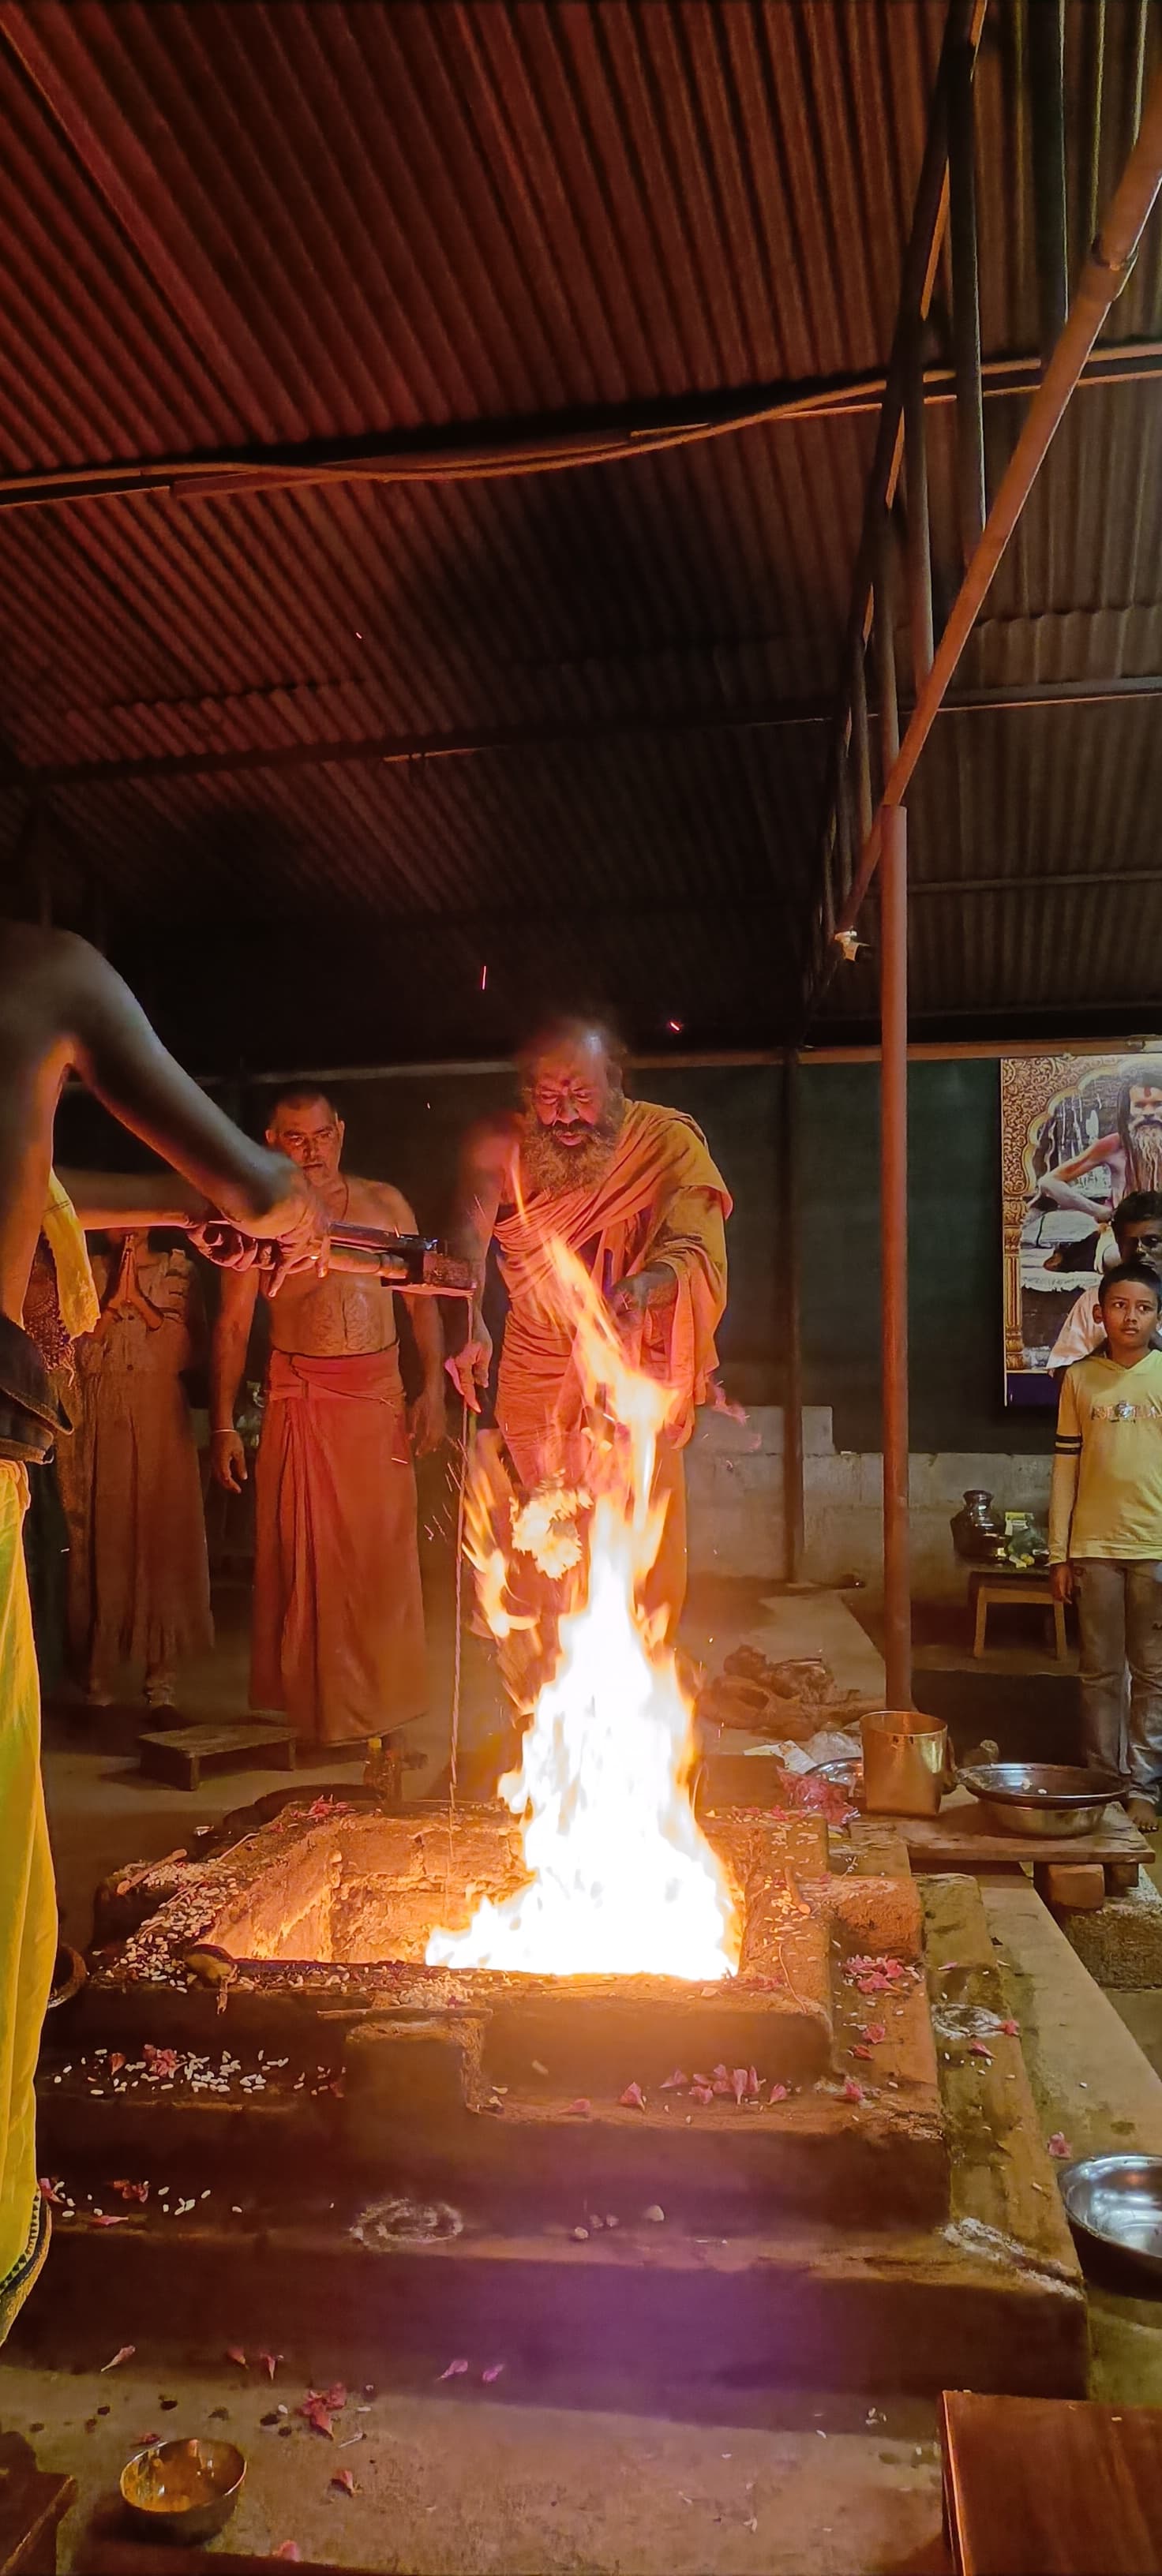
(1142, 1812)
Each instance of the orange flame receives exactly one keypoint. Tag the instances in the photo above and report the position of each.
(621, 1879)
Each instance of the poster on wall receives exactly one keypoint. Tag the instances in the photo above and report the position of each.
(1077, 1133)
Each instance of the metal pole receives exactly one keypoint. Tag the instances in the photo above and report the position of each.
(1047, 101)
(894, 1253)
(1102, 278)
(965, 300)
(793, 1505)
(884, 645)
(916, 523)
(859, 745)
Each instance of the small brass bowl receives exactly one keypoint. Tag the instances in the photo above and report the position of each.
(183, 2491)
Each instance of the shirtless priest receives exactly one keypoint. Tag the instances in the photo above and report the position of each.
(631, 1188)
(338, 1625)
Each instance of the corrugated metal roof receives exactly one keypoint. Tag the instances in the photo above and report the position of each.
(323, 218)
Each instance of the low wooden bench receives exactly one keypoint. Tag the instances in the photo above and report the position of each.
(1043, 2486)
(180, 1754)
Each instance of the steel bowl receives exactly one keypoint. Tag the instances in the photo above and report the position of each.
(184, 2491)
(1116, 2202)
(1047, 1799)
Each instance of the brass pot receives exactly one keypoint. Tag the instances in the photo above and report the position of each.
(905, 1763)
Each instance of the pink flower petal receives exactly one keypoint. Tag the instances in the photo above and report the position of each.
(633, 2098)
(125, 2353)
(315, 2412)
(493, 2372)
(51, 2191)
(344, 2479)
(738, 2083)
(754, 2087)
(100, 2220)
(270, 2362)
(580, 2109)
(1059, 2145)
(852, 2091)
(873, 2032)
(455, 2370)
(233, 2354)
(976, 2048)
(288, 2549)
(1011, 2029)
(777, 2093)
(675, 2083)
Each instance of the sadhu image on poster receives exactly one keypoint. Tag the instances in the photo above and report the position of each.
(1078, 1133)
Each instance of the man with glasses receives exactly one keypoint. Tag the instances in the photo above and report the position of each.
(1137, 1231)
(631, 1189)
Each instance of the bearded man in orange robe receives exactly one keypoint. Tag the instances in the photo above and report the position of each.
(631, 1189)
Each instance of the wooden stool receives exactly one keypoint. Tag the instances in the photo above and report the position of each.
(1051, 2486)
(180, 1754)
(991, 1584)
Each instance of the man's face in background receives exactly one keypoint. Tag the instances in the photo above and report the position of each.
(1141, 1241)
(310, 1132)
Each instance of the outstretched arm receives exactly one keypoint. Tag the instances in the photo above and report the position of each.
(121, 1059)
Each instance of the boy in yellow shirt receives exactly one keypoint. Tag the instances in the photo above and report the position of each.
(1105, 1530)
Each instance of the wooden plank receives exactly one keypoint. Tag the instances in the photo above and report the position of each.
(33, 2503)
(1052, 2487)
(961, 1838)
(179, 1754)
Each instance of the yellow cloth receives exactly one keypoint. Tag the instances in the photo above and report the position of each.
(28, 1918)
(1106, 1496)
(28, 1912)
(77, 1297)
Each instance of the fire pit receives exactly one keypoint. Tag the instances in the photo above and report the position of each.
(612, 2046)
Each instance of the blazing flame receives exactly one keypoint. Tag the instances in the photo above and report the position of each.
(621, 1879)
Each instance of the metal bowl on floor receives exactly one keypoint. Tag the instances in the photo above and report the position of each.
(1043, 1798)
(184, 2491)
(1116, 2202)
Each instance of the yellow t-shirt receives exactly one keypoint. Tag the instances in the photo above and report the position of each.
(1106, 1496)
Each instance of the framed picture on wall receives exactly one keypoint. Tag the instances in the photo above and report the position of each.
(1077, 1133)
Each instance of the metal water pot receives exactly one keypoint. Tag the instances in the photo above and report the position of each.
(906, 1768)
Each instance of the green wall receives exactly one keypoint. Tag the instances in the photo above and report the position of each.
(406, 1128)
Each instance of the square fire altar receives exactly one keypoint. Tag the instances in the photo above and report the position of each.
(794, 2178)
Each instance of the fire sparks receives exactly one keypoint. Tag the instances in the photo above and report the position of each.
(621, 1879)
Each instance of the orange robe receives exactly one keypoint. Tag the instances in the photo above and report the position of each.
(139, 1575)
(338, 1634)
(662, 1200)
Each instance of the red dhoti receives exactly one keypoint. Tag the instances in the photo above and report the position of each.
(338, 1638)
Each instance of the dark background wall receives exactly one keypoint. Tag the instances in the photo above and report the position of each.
(406, 1128)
